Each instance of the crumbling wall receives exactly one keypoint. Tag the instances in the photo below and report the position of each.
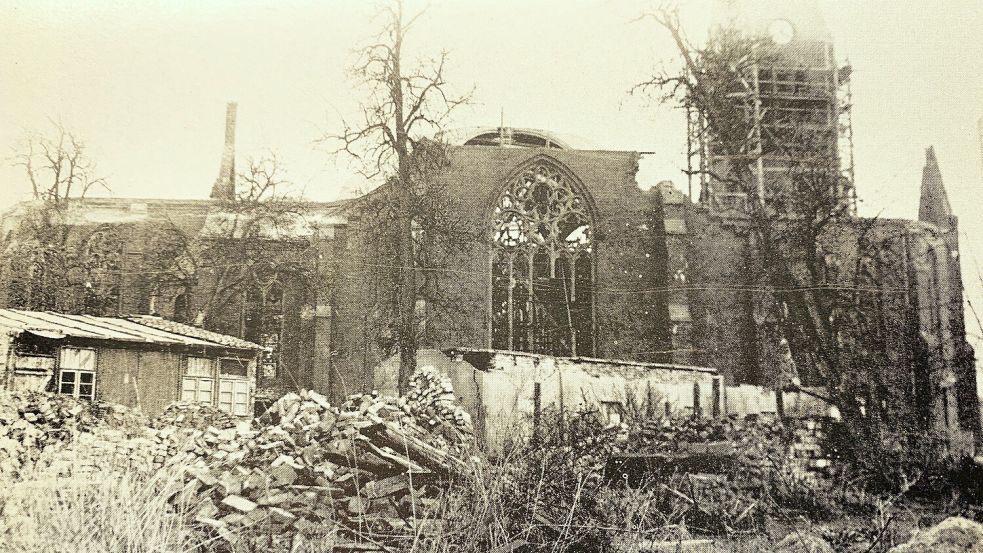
(629, 300)
(505, 396)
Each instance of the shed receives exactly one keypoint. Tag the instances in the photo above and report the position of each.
(142, 362)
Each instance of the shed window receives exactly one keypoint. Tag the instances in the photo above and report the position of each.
(198, 384)
(197, 390)
(199, 366)
(77, 376)
(80, 384)
(231, 366)
(233, 396)
(83, 359)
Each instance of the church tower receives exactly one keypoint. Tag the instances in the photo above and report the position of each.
(225, 184)
(792, 93)
(934, 208)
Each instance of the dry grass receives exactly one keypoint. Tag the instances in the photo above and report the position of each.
(119, 511)
(548, 496)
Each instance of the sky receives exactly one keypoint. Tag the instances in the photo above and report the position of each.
(145, 82)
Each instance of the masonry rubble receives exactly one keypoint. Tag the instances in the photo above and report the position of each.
(372, 467)
(370, 470)
(35, 426)
(801, 441)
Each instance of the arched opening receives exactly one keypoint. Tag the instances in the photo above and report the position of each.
(263, 323)
(180, 313)
(542, 265)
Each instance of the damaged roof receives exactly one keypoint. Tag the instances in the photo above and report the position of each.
(142, 329)
(194, 332)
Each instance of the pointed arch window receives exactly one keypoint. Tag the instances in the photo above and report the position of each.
(542, 265)
(263, 321)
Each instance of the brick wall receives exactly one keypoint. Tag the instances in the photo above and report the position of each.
(630, 307)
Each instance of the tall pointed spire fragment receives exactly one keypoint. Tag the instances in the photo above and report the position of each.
(934, 206)
(225, 184)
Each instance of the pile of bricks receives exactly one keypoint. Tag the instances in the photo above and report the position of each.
(107, 449)
(797, 444)
(810, 459)
(34, 424)
(184, 414)
(431, 400)
(367, 472)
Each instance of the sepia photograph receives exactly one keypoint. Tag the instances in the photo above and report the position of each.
(491, 276)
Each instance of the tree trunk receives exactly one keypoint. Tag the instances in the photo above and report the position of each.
(406, 292)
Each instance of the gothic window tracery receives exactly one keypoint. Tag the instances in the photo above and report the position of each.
(263, 321)
(542, 265)
(101, 263)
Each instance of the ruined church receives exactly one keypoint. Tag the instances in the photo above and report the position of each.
(567, 255)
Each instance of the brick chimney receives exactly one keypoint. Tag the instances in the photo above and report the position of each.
(225, 184)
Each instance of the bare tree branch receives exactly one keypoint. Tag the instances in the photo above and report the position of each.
(404, 106)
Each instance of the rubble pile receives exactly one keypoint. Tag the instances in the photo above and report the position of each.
(798, 443)
(751, 433)
(183, 414)
(431, 400)
(369, 471)
(107, 449)
(35, 425)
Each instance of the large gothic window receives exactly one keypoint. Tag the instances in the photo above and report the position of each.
(542, 265)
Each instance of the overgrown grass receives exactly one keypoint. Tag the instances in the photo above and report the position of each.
(118, 511)
(548, 495)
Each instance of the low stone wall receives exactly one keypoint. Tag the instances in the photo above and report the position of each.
(797, 447)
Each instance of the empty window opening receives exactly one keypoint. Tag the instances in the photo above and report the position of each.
(263, 319)
(233, 366)
(613, 411)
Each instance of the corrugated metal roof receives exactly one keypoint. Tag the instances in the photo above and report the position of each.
(116, 329)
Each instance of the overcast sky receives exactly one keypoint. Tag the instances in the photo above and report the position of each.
(145, 84)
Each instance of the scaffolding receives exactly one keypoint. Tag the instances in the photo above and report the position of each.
(797, 101)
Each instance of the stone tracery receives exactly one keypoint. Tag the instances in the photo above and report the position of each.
(542, 273)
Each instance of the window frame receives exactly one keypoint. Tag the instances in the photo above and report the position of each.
(198, 379)
(234, 388)
(76, 383)
(77, 373)
(233, 394)
(518, 284)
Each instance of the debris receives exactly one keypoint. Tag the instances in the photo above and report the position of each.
(303, 467)
(951, 535)
(306, 465)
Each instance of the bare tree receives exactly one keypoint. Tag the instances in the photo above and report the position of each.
(242, 243)
(232, 273)
(828, 272)
(52, 263)
(58, 167)
(406, 105)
